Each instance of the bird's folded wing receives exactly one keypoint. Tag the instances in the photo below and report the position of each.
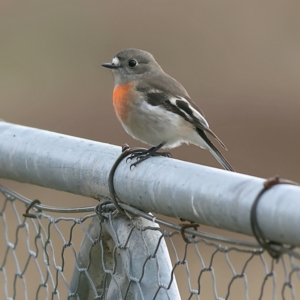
(183, 107)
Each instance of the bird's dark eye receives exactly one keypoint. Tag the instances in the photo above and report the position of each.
(132, 63)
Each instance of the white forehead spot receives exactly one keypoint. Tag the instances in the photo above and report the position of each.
(115, 61)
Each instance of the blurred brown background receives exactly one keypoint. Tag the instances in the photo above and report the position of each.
(240, 61)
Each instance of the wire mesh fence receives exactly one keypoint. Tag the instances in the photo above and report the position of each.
(87, 254)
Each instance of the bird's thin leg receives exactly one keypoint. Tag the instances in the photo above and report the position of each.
(145, 154)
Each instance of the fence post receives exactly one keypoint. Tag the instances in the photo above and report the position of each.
(126, 256)
(143, 259)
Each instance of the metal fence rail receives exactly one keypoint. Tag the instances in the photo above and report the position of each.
(126, 256)
(167, 186)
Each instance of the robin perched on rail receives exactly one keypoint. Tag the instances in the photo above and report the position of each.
(155, 108)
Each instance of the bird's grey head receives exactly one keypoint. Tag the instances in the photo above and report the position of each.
(131, 64)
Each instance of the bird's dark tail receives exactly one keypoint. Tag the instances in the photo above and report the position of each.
(220, 158)
(215, 152)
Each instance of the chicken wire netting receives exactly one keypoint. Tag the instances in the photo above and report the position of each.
(81, 253)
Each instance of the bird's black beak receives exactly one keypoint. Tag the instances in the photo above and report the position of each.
(110, 66)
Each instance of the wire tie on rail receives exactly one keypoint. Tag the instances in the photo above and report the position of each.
(257, 232)
(186, 226)
(30, 206)
(126, 150)
(103, 208)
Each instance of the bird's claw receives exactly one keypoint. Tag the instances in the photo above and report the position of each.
(137, 155)
(141, 157)
(142, 154)
(132, 165)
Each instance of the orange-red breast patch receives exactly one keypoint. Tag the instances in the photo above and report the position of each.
(120, 100)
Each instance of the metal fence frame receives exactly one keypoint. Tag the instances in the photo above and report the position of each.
(167, 186)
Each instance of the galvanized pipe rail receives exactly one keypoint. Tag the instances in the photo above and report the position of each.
(167, 186)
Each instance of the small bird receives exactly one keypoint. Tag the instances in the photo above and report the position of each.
(155, 108)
